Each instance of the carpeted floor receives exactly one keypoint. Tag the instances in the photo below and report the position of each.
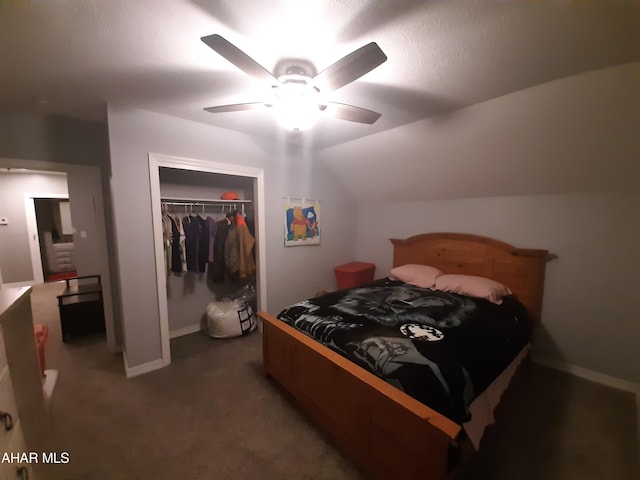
(212, 415)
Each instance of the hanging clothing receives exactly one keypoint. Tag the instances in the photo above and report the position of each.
(167, 238)
(192, 231)
(246, 242)
(183, 245)
(213, 229)
(217, 268)
(250, 225)
(232, 253)
(176, 259)
(203, 243)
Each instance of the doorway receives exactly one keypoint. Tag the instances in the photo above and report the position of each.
(23, 180)
(20, 253)
(156, 162)
(53, 230)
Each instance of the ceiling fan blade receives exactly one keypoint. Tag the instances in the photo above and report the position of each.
(350, 67)
(236, 107)
(240, 59)
(352, 113)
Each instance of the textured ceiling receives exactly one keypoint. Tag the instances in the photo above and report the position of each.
(71, 57)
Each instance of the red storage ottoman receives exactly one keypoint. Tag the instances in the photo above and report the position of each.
(42, 333)
(353, 274)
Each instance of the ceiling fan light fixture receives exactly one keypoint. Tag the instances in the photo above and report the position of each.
(296, 117)
(297, 97)
(296, 104)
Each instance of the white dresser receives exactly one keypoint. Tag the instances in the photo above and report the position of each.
(25, 430)
(59, 255)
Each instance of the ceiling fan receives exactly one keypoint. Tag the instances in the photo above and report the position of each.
(297, 98)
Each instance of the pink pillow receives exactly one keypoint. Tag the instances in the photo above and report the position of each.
(473, 286)
(419, 275)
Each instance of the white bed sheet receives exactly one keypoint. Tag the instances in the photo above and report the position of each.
(483, 406)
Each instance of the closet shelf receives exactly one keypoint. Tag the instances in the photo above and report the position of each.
(206, 201)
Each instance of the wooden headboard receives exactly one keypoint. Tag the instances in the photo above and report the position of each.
(521, 269)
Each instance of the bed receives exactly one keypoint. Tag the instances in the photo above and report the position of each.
(389, 432)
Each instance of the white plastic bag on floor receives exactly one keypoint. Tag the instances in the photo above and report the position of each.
(230, 318)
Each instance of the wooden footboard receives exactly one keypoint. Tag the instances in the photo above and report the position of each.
(388, 433)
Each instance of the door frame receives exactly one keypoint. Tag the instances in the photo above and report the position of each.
(156, 161)
(33, 233)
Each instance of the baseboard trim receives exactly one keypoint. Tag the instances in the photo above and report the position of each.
(141, 369)
(587, 374)
(184, 331)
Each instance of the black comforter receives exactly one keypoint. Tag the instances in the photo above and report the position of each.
(442, 349)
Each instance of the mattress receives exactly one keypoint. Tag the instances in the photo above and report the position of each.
(440, 348)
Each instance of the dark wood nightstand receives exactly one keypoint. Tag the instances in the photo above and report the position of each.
(81, 307)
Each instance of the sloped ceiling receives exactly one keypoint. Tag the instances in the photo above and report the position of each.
(577, 134)
(71, 57)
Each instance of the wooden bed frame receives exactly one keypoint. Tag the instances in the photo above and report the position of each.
(388, 433)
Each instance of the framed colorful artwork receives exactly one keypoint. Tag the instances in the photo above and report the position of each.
(302, 223)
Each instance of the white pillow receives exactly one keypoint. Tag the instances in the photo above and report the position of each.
(419, 275)
(473, 286)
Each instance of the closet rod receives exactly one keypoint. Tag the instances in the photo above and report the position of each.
(193, 201)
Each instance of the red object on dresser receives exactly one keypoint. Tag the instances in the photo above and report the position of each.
(354, 274)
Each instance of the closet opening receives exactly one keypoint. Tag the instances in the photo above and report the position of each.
(208, 233)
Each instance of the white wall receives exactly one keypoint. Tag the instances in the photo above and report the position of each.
(52, 138)
(292, 273)
(589, 315)
(575, 134)
(15, 257)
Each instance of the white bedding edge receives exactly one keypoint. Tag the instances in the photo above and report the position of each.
(483, 406)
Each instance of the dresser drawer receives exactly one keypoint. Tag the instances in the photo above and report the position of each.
(7, 407)
(17, 470)
(3, 352)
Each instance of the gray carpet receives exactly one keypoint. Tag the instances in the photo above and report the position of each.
(212, 415)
